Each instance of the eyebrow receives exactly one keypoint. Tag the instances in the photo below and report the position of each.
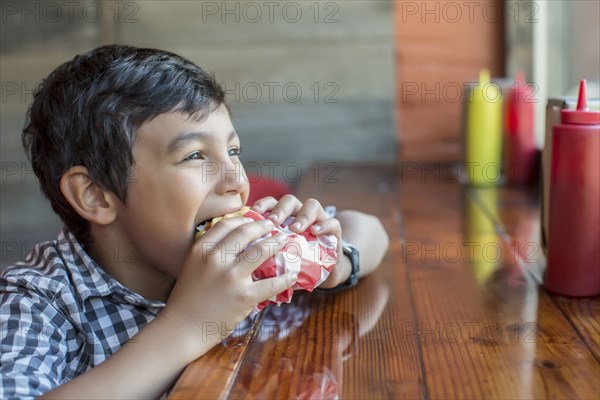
(185, 137)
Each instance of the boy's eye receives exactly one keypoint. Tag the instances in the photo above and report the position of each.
(235, 152)
(194, 156)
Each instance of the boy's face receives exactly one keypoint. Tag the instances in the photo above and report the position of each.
(185, 172)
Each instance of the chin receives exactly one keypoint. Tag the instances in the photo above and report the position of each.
(169, 260)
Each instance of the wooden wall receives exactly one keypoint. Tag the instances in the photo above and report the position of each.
(340, 54)
(440, 45)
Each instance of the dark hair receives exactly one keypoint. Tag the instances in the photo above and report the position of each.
(87, 111)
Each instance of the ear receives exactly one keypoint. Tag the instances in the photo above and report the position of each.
(88, 199)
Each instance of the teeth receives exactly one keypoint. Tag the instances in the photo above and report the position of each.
(202, 225)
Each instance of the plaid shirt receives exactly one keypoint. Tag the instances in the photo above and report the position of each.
(60, 315)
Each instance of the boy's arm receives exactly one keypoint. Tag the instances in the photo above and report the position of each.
(364, 231)
(148, 366)
(213, 289)
(34, 355)
(143, 368)
(33, 333)
(368, 235)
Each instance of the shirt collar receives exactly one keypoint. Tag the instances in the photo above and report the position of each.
(90, 278)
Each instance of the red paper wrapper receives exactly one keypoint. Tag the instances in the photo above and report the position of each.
(312, 257)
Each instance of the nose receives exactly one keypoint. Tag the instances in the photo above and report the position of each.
(232, 178)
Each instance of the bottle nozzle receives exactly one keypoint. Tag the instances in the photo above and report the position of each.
(582, 100)
(582, 115)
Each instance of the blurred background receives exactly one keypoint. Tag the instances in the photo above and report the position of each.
(309, 82)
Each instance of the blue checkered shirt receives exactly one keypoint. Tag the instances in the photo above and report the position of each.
(60, 315)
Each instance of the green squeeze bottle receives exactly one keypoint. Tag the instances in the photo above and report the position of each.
(484, 133)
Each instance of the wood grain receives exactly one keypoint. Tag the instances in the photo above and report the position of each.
(440, 318)
(517, 219)
(354, 344)
(515, 214)
(211, 376)
(487, 330)
(584, 315)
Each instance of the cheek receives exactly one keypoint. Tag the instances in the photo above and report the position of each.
(158, 217)
(245, 192)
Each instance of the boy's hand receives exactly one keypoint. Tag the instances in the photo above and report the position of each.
(307, 213)
(311, 212)
(215, 290)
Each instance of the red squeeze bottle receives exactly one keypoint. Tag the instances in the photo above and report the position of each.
(520, 153)
(574, 218)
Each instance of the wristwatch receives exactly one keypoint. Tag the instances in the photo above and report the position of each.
(352, 253)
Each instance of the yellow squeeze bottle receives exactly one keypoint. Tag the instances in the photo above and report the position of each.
(484, 133)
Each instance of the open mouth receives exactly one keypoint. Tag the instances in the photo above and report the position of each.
(202, 226)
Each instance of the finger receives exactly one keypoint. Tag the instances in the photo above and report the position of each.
(288, 205)
(257, 253)
(229, 237)
(330, 226)
(310, 212)
(238, 239)
(221, 229)
(267, 288)
(264, 204)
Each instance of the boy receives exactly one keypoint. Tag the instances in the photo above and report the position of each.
(122, 141)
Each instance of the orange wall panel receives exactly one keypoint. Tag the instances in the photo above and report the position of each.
(440, 45)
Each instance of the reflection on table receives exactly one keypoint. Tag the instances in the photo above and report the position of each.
(456, 310)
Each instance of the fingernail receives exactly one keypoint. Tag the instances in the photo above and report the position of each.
(246, 219)
(297, 225)
(273, 216)
(316, 228)
(280, 237)
(267, 223)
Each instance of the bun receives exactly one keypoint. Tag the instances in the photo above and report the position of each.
(213, 221)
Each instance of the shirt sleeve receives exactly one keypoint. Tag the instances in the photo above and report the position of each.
(33, 346)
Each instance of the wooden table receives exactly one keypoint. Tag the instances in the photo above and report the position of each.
(456, 309)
